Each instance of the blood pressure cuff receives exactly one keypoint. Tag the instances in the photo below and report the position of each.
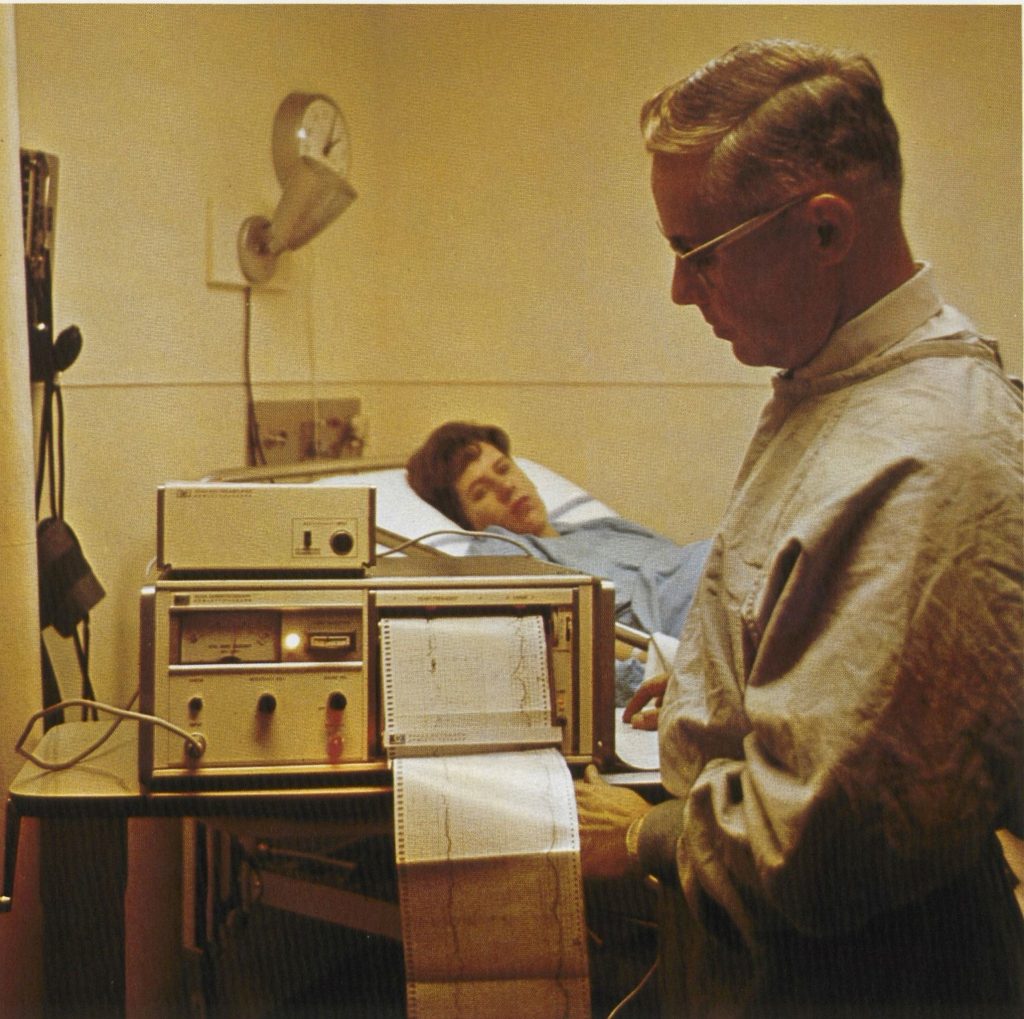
(68, 588)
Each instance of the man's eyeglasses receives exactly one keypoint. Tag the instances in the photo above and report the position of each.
(699, 255)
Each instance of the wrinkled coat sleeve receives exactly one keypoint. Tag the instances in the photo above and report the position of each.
(845, 722)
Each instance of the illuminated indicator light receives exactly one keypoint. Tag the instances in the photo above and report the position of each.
(292, 641)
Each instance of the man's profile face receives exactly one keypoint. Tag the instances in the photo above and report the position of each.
(763, 294)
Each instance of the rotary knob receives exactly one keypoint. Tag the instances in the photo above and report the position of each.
(342, 543)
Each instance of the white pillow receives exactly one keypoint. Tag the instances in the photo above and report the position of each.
(402, 511)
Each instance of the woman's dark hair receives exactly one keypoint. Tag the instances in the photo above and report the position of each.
(435, 467)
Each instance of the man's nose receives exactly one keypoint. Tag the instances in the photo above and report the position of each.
(687, 284)
(504, 490)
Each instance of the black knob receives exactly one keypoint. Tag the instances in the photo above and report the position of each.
(266, 704)
(195, 705)
(342, 543)
(337, 701)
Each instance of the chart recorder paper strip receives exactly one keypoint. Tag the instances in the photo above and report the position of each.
(487, 844)
(490, 886)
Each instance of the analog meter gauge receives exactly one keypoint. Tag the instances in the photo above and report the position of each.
(223, 637)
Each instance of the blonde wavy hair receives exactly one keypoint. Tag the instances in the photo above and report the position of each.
(777, 119)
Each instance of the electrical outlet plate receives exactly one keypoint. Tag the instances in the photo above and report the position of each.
(293, 431)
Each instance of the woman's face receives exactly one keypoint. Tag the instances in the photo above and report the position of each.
(494, 490)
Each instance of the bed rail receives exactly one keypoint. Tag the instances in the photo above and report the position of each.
(632, 636)
(305, 470)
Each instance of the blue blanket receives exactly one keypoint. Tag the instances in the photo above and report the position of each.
(655, 579)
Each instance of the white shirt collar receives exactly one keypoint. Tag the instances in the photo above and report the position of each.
(878, 328)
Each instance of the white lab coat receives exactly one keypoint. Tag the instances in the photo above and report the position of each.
(845, 722)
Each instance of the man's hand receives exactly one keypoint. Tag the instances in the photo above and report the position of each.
(649, 690)
(605, 814)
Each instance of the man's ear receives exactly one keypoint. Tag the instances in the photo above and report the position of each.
(834, 221)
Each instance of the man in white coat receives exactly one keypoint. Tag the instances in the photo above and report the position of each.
(842, 735)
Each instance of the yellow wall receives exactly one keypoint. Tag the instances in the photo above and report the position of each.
(502, 261)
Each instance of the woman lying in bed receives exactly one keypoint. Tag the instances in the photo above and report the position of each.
(467, 472)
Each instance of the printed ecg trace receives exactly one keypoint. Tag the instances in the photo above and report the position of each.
(486, 835)
(490, 885)
(452, 678)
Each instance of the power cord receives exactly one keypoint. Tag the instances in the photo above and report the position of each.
(525, 549)
(120, 713)
(256, 457)
(615, 1012)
